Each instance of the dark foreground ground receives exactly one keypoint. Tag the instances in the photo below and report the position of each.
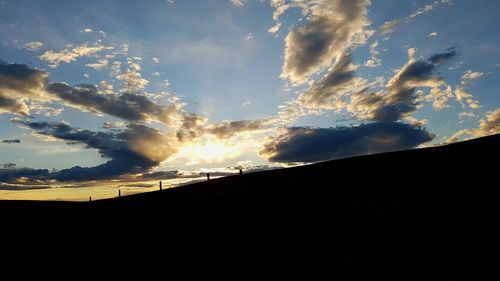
(413, 215)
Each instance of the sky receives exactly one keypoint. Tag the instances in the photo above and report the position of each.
(101, 96)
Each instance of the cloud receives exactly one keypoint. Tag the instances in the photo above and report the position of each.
(194, 126)
(33, 46)
(303, 144)
(227, 129)
(439, 97)
(463, 115)
(466, 98)
(249, 36)
(401, 98)
(472, 75)
(102, 63)
(113, 125)
(333, 27)
(86, 30)
(11, 141)
(131, 75)
(389, 26)
(134, 150)
(238, 3)
(374, 60)
(156, 60)
(488, 126)
(18, 83)
(281, 7)
(127, 106)
(433, 34)
(329, 91)
(70, 55)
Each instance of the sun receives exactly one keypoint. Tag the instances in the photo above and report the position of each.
(208, 151)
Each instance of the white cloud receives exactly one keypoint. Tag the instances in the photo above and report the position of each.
(33, 46)
(105, 87)
(130, 76)
(86, 30)
(156, 74)
(466, 98)
(102, 34)
(471, 75)
(488, 126)
(70, 55)
(463, 115)
(165, 84)
(374, 60)
(440, 97)
(390, 26)
(98, 65)
(249, 36)
(238, 2)
(246, 103)
(433, 34)
(156, 60)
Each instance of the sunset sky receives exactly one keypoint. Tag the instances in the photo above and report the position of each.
(97, 96)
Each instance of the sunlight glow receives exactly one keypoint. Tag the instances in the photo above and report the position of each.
(212, 151)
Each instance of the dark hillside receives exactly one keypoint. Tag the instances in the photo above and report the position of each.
(422, 214)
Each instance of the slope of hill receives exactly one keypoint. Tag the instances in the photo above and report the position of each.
(411, 212)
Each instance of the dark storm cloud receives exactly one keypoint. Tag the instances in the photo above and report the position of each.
(301, 144)
(11, 141)
(127, 106)
(18, 82)
(12, 174)
(134, 150)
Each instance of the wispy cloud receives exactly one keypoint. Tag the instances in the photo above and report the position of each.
(70, 55)
(487, 126)
(102, 63)
(374, 60)
(389, 26)
(472, 75)
(33, 46)
(239, 3)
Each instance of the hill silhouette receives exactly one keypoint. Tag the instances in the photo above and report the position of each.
(413, 214)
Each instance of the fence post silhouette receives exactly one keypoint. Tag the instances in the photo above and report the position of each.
(160, 186)
(119, 193)
(241, 172)
(90, 198)
(208, 176)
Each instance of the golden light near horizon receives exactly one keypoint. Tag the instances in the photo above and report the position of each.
(209, 151)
